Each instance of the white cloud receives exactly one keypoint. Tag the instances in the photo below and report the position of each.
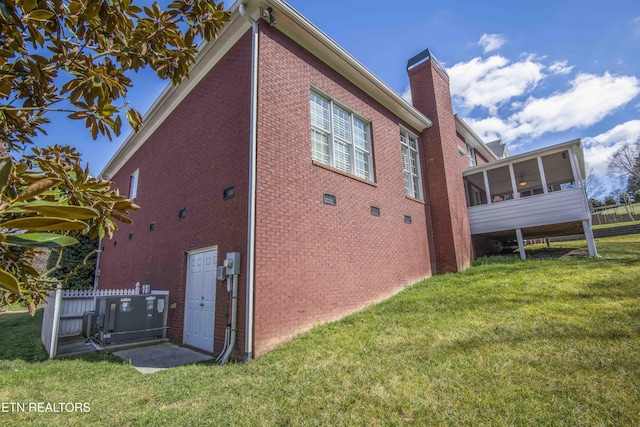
(492, 81)
(590, 98)
(597, 157)
(490, 128)
(560, 67)
(625, 133)
(636, 30)
(599, 149)
(491, 42)
(406, 95)
(506, 89)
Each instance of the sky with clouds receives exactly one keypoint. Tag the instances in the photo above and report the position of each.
(532, 73)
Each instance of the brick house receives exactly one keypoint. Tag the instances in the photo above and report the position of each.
(336, 192)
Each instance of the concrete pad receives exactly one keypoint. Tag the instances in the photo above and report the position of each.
(154, 358)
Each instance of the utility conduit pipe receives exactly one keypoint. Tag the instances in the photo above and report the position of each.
(226, 343)
(227, 329)
(234, 310)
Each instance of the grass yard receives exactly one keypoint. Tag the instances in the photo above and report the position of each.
(619, 210)
(614, 225)
(505, 343)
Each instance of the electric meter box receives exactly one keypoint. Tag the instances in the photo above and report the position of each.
(232, 263)
(128, 318)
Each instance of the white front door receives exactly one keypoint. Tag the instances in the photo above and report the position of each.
(200, 304)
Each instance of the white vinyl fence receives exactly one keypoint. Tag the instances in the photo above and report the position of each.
(63, 313)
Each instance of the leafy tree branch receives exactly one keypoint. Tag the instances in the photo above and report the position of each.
(72, 57)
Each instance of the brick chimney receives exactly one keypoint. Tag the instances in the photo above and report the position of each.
(442, 164)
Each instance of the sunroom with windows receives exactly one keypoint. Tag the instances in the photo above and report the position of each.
(534, 195)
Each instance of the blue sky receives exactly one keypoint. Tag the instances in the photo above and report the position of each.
(533, 73)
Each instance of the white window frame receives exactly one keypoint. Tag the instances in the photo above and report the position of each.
(471, 153)
(334, 138)
(413, 185)
(133, 184)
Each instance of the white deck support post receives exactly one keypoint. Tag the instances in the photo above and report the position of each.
(586, 223)
(588, 235)
(523, 256)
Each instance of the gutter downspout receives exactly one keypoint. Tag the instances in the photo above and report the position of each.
(251, 226)
(96, 272)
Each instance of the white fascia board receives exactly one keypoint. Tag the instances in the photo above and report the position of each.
(208, 56)
(310, 37)
(573, 145)
(473, 139)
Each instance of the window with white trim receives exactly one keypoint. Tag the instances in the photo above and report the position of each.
(339, 138)
(471, 153)
(411, 165)
(133, 185)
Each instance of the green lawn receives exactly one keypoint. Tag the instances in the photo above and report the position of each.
(614, 224)
(619, 210)
(505, 343)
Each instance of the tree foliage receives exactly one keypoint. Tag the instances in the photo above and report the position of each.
(48, 199)
(633, 182)
(633, 185)
(624, 198)
(75, 265)
(610, 200)
(73, 57)
(595, 203)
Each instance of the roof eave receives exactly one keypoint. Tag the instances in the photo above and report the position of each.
(209, 54)
(301, 30)
(305, 33)
(481, 146)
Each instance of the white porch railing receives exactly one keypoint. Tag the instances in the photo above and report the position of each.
(63, 312)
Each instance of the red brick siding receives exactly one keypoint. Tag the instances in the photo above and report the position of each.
(443, 165)
(314, 262)
(480, 160)
(200, 149)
